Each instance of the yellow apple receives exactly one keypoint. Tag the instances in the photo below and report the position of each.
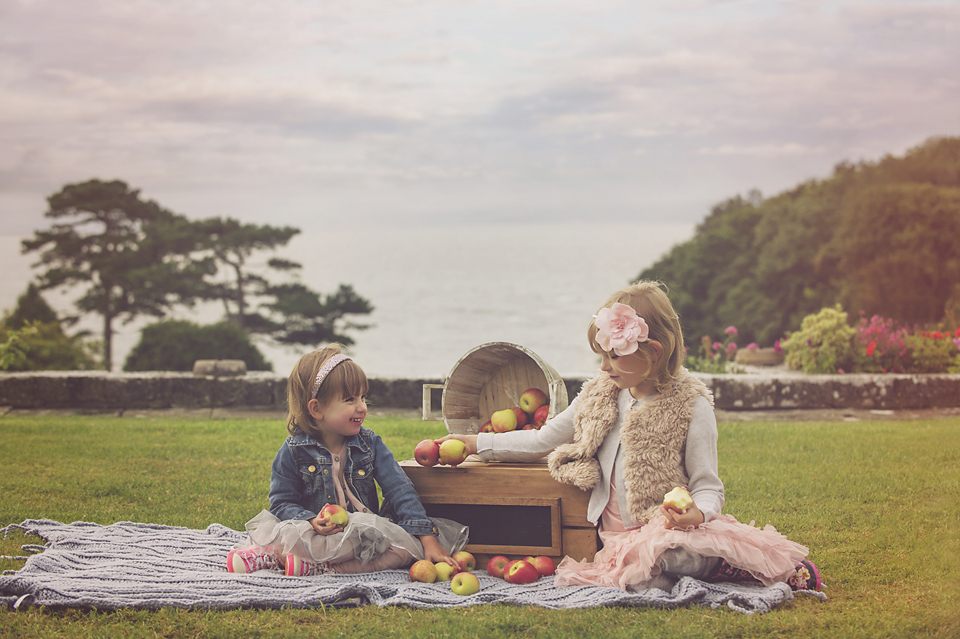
(445, 571)
(453, 452)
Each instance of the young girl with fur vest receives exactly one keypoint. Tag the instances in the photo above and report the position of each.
(641, 427)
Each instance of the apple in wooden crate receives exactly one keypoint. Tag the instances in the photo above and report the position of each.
(532, 399)
(540, 417)
(504, 421)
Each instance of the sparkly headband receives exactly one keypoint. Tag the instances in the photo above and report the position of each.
(328, 366)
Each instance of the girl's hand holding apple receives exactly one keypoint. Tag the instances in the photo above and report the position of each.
(470, 441)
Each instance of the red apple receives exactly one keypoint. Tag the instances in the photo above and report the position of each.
(453, 452)
(467, 561)
(540, 417)
(532, 399)
(334, 514)
(528, 427)
(521, 417)
(423, 571)
(504, 420)
(497, 565)
(678, 499)
(521, 572)
(544, 565)
(427, 453)
(465, 583)
(487, 427)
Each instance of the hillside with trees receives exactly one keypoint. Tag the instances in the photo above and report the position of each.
(881, 238)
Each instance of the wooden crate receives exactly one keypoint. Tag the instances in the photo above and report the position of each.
(512, 509)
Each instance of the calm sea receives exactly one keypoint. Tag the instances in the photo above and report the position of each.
(439, 292)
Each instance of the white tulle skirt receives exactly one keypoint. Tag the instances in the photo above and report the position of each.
(365, 537)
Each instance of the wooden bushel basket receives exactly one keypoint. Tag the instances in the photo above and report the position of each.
(489, 378)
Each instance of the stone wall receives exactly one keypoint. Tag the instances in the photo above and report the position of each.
(97, 390)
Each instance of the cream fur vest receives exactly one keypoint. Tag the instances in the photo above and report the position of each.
(653, 437)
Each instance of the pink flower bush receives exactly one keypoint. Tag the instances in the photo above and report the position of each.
(620, 329)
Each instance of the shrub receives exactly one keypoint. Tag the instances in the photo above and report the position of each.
(880, 346)
(823, 344)
(933, 352)
(716, 357)
(175, 345)
(43, 346)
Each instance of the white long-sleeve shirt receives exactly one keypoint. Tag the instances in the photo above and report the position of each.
(700, 456)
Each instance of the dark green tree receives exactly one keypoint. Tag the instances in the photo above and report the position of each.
(131, 256)
(288, 312)
(174, 345)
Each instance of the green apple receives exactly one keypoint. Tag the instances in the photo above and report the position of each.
(465, 583)
(444, 570)
(453, 452)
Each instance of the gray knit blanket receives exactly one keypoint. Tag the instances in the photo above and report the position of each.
(134, 565)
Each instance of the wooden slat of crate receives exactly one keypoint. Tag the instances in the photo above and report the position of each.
(477, 482)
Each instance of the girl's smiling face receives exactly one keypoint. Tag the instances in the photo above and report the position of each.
(343, 416)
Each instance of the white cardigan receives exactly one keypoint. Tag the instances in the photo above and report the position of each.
(700, 455)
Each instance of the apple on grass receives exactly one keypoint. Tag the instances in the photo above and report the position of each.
(521, 572)
(532, 399)
(427, 453)
(445, 571)
(497, 565)
(465, 583)
(334, 514)
(540, 417)
(423, 571)
(467, 561)
(453, 452)
(504, 421)
(678, 499)
(544, 565)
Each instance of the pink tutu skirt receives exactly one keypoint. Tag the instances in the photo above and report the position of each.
(628, 559)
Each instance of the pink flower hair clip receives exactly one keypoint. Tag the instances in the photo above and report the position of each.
(620, 329)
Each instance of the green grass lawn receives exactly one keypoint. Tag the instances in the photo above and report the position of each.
(878, 503)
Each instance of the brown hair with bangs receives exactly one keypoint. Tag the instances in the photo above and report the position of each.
(346, 379)
(649, 299)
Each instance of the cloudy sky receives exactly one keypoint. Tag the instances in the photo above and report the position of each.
(321, 113)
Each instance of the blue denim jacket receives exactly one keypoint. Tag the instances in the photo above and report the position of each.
(301, 481)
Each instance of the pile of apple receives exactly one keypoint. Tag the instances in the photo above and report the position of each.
(520, 571)
(530, 414)
(462, 582)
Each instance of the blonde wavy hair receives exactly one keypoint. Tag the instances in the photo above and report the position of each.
(346, 379)
(649, 299)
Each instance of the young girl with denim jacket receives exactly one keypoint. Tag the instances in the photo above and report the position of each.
(641, 427)
(330, 458)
